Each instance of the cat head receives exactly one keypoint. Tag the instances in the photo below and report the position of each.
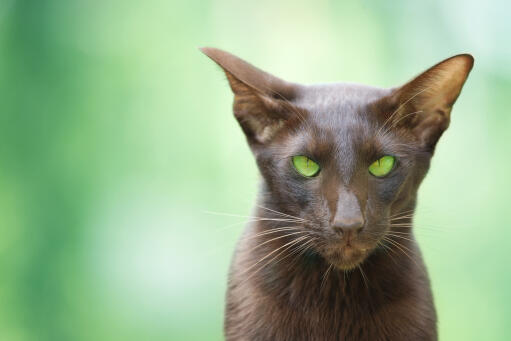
(346, 159)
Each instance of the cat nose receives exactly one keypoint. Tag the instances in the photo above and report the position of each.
(348, 217)
(346, 227)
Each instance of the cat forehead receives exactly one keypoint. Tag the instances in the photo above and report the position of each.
(338, 97)
(341, 119)
(341, 110)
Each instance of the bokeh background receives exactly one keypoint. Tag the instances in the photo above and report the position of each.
(117, 139)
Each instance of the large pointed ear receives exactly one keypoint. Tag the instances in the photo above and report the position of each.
(423, 105)
(261, 101)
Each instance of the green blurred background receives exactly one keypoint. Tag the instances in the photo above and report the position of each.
(116, 137)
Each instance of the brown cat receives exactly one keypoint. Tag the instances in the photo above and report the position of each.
(332, 255)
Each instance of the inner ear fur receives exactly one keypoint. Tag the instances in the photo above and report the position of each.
(423, 105)
(261, 101)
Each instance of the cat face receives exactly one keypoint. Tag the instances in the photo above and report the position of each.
(343, 204)
(346, 159)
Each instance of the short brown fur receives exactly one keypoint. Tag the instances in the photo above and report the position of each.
(333, 257)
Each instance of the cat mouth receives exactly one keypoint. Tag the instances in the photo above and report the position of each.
(346, 256)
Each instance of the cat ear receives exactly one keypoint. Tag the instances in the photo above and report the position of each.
(423, 105)
(261, 101)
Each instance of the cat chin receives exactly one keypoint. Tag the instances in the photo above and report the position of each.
(347, 257)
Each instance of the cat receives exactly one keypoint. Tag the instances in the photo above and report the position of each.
(331, 254)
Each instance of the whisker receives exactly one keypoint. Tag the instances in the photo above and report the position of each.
(223, 228)
(279, 237)
(276, 229)
(400, 247)
(363, 276)
(397, 243)
(407, 212)
(325, 275)
(386, 249)
(262, 233)
(410, 234)
(251, 217)
(397, 236)
(402, 217)
(294, 241)
(281, 213)
(286, 247)
(401, 232)
(302, 249)
(423, 227)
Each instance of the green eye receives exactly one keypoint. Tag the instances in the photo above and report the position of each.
(305, 166)
(382, 166)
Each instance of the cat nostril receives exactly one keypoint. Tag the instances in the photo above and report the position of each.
(352, 227)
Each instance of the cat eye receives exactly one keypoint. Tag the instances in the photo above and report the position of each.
(382, 166)
(305, 166)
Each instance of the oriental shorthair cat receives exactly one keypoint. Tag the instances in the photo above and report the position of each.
(331, 253)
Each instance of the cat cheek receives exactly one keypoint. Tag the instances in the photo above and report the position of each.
(386, 190)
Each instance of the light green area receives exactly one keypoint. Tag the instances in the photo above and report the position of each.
(305, 166)
(382, 166)
(117, 138)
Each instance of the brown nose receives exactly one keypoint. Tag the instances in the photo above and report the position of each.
(348, 216)
(348, 226)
